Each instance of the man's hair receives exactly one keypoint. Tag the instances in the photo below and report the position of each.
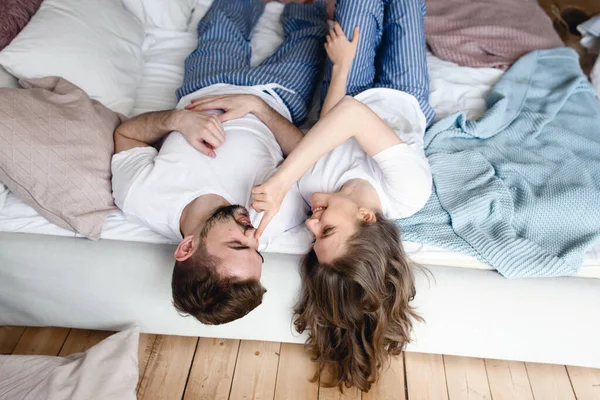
(198, 290)
(356, 309)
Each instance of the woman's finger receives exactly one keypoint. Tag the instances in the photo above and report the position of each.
(337, 28)
(259, 197)
(356, 35)
(264, 222)
(258, 189)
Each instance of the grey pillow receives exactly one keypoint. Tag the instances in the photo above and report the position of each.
(108, 370)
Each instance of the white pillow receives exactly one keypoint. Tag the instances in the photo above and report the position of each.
(108, 370)
(95, 44)
(172, 15)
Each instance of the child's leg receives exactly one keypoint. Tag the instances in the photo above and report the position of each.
(368, 16)
(297, 63)
(223, 45)
(402, 60)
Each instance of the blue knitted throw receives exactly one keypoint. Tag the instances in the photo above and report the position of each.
(520, 188)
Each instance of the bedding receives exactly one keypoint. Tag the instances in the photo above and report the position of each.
(527, 204)
(55, 151)
(453, 88)
(172, 15)
(14, 15)
(109, 370)
(487, 33)
(71, 39)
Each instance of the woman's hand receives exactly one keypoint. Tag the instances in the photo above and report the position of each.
(234, 105)
(267, 198)
(340, 50)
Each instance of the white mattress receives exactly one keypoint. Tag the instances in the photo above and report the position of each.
(453, 88)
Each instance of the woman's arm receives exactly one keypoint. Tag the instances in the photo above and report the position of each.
(349, 118)
(341, 52)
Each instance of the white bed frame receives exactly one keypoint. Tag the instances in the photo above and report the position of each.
(71, 282)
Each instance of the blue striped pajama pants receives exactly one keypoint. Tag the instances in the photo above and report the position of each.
(391, 52)
(224, 51)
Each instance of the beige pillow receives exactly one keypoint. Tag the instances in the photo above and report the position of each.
(55, 150)
(108, 370)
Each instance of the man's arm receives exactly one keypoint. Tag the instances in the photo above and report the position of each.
(287, 134)
(203, 131)
(238, 105)
(143, 130)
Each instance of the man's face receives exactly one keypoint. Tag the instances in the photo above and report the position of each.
(229, 236)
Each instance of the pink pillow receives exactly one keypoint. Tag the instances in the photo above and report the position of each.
(55, 150)
(14, 15)
(487, 33)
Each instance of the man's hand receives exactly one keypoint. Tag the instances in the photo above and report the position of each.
(340, 50)
(267, 198)
(203, 131)
(234, 106)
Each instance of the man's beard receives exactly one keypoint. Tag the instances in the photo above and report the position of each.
(224, 214)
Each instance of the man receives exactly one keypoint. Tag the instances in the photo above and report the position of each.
(196, 190)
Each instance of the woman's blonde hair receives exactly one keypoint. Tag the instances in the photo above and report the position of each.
(356, 309)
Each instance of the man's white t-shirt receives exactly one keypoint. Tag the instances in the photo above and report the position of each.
(400, 174)
(153, 187)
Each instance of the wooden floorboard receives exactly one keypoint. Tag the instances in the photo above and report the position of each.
(335, 394)
(9, 337)
(212, 370)
(390, 385)
(508, 380)
(42, 341)
(466, 378)
(549, 382)
(80, 340)
(145, 354)
(256, 370)
(585, 382)
(168, 368)
(294, 374)
(425, 376)
(188, 368)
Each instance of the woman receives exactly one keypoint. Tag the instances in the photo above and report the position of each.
(361, 167)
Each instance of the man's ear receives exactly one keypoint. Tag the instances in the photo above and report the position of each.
(366, 215)
(186, 248)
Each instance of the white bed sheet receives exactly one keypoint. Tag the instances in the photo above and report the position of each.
(453, 88)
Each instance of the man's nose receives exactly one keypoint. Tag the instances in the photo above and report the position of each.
(249, 234)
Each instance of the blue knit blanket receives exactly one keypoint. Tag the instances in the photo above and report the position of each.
(520, 188)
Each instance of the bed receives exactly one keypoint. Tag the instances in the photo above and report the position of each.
(52, 277)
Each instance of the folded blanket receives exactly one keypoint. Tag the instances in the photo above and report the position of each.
(487, 33)
(519, 189)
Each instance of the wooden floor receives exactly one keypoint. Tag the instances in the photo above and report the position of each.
(174, 367)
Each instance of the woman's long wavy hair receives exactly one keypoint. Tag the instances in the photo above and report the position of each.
(356, 309)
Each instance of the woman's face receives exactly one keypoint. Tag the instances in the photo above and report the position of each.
(333, 221)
